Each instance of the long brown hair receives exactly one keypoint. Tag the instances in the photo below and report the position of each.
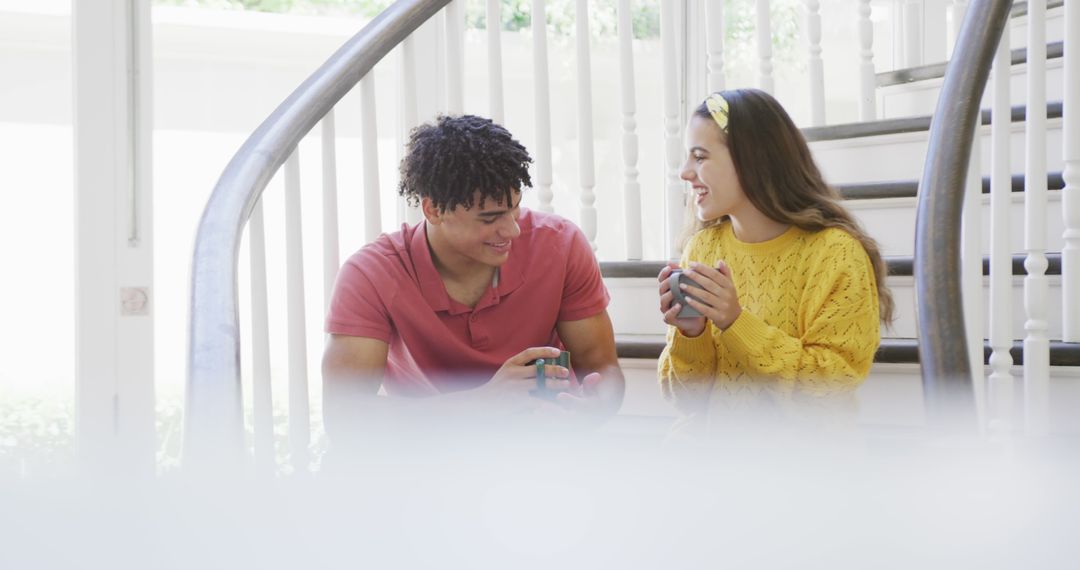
(779, 177)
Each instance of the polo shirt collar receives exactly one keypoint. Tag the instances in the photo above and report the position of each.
(511, 273)
(431, 284)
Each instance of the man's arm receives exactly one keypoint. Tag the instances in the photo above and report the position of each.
(591, 342)
(352, 371)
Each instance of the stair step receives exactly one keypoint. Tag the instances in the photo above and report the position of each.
(898, 265)
(1054, 50)
(1021, 8)
(633, 306)
(909, 188)
(908, 124)
(891, 350)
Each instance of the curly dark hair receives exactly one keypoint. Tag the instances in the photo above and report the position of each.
(458, 155)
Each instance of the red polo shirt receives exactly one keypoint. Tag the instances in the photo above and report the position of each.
(391, 291)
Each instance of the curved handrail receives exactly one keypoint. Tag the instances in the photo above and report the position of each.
(213, 427)
(943, 350)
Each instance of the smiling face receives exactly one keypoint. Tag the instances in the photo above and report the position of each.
(711, 172)
(478, 236)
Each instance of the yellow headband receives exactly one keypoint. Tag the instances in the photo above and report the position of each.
(718, 108)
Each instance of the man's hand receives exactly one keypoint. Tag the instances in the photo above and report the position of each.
(586, 397)
(516, 376)
(591, 342)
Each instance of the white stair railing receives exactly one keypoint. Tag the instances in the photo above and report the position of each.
(262, 403)
(956, 11)
(1036, 290)
(495, 78)
(673, 189)
(299, 406)
(408, 115)
(1000, 383)
(1070, 255)
(944, 358)
(331, 248)
(913, 31)
(542, 110)
(370, 141)
(455, 56)
(815, 64)
(586, 169)
(213, 414)
(628, 100)
(714, 44)
(971, 268)
(763, 32)
(867, 80)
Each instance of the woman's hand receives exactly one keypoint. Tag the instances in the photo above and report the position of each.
(719, 301)
(690, 326)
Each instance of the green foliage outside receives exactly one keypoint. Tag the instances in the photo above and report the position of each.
(366, 8)
(561, 15)
(36, 436)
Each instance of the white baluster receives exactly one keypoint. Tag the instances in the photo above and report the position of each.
(867, 81)
(542, 110)
(1000, 390)
(971, 270)
(299, 409)
(407, 114)
(330, 210)
(495, 79)
(764, 45)
(972, 277)
(816, 67)
(714, 44)
(913, 30)
(1036, 343)
(631, 187)
(674, 192)
(370, 141)
(1070, 195)
(455, 57)
(586, 169)
(957, 10)
(262, 400)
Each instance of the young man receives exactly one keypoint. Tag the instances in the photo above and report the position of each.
(457, 306)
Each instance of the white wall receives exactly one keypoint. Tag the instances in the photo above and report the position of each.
(37, 326)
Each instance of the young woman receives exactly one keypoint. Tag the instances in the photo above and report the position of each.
(791, 288)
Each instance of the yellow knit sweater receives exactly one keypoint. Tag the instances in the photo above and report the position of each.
(809, 324)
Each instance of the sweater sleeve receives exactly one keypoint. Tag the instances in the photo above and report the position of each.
(840, 335)
(687, 370)
(687, 366)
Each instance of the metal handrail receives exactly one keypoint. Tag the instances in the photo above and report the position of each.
(943, 350)
(213, 425)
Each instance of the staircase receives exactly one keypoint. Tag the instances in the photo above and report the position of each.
(876, 164)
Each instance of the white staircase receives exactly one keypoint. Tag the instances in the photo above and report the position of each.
(876, 164)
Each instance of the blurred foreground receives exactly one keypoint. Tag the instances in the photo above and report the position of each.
(533, 495)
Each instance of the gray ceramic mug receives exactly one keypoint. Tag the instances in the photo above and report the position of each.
(679, 297)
